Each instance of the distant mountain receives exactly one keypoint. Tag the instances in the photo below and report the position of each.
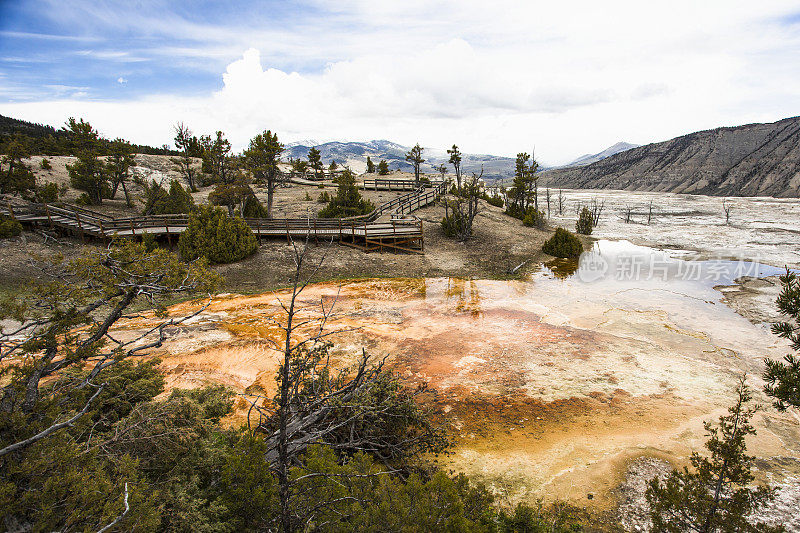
(354, 155)
(588, 159)
(749, 160)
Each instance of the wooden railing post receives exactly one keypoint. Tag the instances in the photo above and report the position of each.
(80, 226)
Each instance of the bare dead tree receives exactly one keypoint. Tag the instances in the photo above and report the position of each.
(560, 202)
(547, 196)
(627, 214)
(726, 208)
(315, 404)
(650, 212)
(597, 211)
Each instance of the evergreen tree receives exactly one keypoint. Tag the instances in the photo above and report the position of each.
(370, 166)
(216, 158)
(523, 190)
(383, 168)
(119, 163)
(414, 156)
(17, 176)
(315, 162)
(212, 234)
(585, 222)
(189, 146)
(160, 202)
(455, 160)
(783, 379)
(299, 167)
(261, 158)
(348, 201)
(88, 173)
(715, 496)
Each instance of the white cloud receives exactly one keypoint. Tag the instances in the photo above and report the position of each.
(121, 80)
(569, 78)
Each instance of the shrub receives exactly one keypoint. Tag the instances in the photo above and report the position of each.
(45, 164)
(83, 199)
(160, 202)
(308, 197)
(348, 201)
(47, 193)
(451, 224)
(212, 234)
(253, 208)
(9, 227)
(563, 244)
(585, 222)
(493, 200)
(324, 198)
(149, 241)
(534, 218)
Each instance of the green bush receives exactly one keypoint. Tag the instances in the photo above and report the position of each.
(9, 227)
(45, 164)
(563, 244)
(253, 208)
(83, 199)
(493, 200)
(534, 218)
(149, 241)
(47, 193)
(324, 198)
(348, 201)
(212, 234)
(585, 222)
(160, 202)
(451, 224)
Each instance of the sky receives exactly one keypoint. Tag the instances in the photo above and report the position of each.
(558, 78)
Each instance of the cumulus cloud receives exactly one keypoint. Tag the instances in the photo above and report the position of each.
(497, 77)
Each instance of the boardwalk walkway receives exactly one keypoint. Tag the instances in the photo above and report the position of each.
(368, 232)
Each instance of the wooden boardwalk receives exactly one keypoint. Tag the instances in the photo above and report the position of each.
(367, 232)
(388, 184)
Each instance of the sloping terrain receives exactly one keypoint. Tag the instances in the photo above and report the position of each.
(749, 160)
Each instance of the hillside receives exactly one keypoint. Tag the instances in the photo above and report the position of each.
(42, 139)
(588, 159)
(749, 160)
(354, 155)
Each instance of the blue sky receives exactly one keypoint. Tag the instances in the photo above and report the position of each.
(497, 77)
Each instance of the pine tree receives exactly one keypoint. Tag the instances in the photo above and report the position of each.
(188, 146)
(715, 496)
(523, 191)
(216, 158)
(17, 177)
(88, 173)
(383, 168)
(370, 166)
(261, 158)
(120, 161)
(783, 379)
(315, 162)
(348, 201)
(455, 160)
(414, 156)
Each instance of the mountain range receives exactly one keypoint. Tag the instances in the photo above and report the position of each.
(748, 160)
(354, 155)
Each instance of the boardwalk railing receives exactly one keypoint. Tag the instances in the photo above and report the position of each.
(364, 232)
(394, 185)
